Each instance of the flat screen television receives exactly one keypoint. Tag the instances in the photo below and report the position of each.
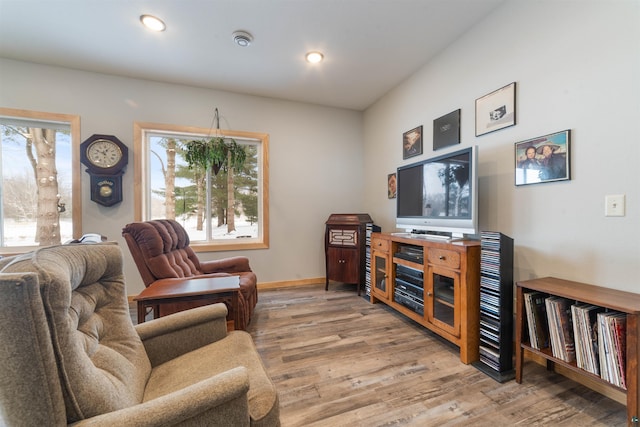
(439, 196)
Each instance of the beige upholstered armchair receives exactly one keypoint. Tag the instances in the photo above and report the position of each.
(70, 354)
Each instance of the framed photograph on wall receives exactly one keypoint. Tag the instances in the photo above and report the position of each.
(496, 110)
(412, 143)
(543, 159)
(391, 185)
(446, 130)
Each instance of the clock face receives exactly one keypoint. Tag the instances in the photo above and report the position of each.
(103, 153)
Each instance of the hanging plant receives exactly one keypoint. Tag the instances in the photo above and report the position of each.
(217, 153)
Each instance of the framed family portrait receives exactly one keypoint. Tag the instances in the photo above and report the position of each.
(496, 110)
(412, 143)
(446, 130)
(391, 185)
(543, 159)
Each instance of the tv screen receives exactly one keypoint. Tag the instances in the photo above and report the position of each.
(439, 194)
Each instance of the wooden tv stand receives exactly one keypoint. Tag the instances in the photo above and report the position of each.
(439, 289)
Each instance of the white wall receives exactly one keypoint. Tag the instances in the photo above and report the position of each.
(315, 154)
(577, 66)
(575, 62)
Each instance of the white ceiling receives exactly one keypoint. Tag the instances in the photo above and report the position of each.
(370, 46)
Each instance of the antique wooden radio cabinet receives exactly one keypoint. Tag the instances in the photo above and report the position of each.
(345, 248)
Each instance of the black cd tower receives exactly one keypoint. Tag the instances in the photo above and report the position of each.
(370, 228)
(496, 306)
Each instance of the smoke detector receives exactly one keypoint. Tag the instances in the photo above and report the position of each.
(242, 38)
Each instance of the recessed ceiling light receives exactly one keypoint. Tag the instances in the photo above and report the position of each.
(152, 23)
(314, 57)
(242, 38)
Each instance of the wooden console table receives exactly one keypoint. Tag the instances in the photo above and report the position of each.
(169, 291)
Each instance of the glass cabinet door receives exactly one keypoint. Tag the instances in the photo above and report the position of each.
(444, 297)
(379, 279)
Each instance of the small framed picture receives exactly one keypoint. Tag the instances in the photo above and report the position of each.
(543, 159)
(446, 130)
(412, 143)
(496, 110)
(391, 185)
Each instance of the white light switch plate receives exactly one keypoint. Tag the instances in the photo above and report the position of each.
(614, 205)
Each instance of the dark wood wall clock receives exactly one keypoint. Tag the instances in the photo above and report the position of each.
(106, 158)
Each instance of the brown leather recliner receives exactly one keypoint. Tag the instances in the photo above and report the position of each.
(160, 249)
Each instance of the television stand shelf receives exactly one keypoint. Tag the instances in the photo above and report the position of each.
(612, 299)
(434, 283)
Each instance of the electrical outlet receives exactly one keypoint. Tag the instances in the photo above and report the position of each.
(614, 205)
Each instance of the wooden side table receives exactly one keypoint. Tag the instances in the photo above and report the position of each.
(169, 291)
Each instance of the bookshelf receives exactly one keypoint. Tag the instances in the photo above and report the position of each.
(609, 300)
(496, 306)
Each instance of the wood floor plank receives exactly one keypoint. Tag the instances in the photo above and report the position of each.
(338, 360)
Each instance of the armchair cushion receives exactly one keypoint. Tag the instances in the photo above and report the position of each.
(100, 369)
(24, 326)
(236, 349)
(231, 265)
(165, 249)
(172, 336)
(218, 401)
(216, 353)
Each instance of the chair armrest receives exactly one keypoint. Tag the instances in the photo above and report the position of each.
(217, 401)
(171, 336)
(237, 264)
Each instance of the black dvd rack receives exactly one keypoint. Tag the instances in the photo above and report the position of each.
(496, 306)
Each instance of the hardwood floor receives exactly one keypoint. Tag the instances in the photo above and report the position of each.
(338, 360)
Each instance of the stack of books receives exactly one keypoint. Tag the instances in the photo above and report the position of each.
(537, 319)
(611, 345)
(585, 330)
(560, 328)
